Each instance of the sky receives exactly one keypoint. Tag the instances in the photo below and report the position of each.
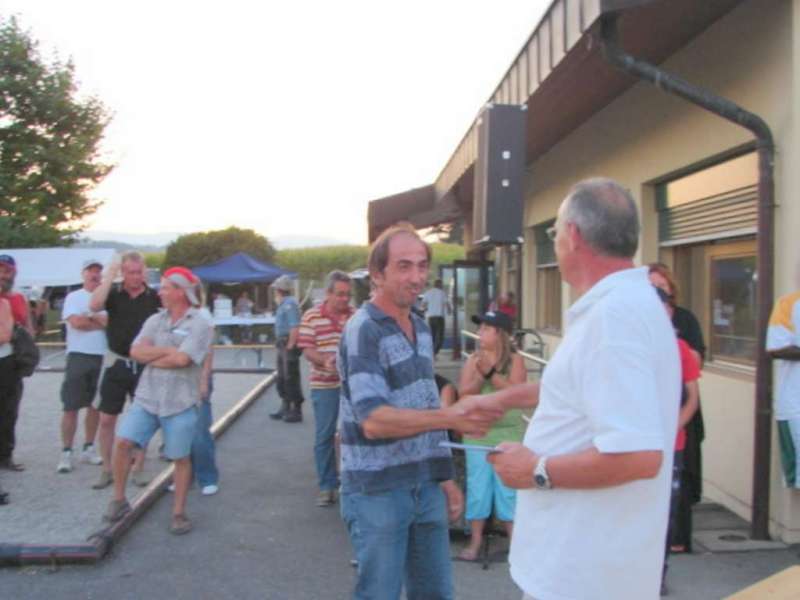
(286, 118)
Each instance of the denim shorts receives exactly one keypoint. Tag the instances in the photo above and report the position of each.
(178, 430)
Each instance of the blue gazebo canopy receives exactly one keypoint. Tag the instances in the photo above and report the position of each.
(240, 268)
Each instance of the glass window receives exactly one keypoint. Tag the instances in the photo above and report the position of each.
(548, 280)
(717, 282)
(548, 298)
(733, 308)
(737, 173)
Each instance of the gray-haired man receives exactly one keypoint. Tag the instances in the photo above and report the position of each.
(594, 469)
(320, 332)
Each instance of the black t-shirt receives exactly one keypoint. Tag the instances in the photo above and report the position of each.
(689, 330)
(126, 316)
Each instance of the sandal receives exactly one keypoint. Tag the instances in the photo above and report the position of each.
(466, 556)
(180, 524)
(116, 510)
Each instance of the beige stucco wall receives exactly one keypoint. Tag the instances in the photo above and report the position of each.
(644, 135)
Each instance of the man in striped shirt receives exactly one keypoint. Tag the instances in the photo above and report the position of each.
(320, 331)
(397, 487)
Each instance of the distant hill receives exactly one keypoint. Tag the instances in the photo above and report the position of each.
(155, 242)
(141, 241)
(120, 246)
(286, 242)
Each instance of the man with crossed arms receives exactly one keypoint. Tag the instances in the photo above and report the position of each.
(172, 345)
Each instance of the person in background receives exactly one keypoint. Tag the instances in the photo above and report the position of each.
(783, 345)
(8, 389)
(6, 360)
(86, 347)
(494, 366)
(320, 332)
(691, 489)
(507, 304)
(436, 304)
(690, 401)
(11, 387)
(128, 306)
(203, 453)
(287, 329)
(244, 305)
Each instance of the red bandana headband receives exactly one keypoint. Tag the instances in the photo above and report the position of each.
(186, 280)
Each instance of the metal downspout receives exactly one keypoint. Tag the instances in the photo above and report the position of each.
(669, 83)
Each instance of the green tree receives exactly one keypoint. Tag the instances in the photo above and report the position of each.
(195, 249)
(450, 233)
(154, 260)
(49, 145)
(315, 263)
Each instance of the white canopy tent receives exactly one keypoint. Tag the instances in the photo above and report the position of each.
(38, 268)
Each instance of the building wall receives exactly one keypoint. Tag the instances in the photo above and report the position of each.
(646, 135)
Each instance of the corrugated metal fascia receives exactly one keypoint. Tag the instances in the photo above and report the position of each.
(558, 31)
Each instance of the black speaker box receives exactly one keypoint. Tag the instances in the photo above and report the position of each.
(499, 171)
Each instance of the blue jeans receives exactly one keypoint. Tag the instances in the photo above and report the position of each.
(204, 466)
(400, 537)
(326, 413)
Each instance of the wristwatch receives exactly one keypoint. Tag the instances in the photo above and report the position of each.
(540, 477)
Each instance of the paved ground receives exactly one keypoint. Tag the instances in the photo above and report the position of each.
(52, 508)
(262, 537)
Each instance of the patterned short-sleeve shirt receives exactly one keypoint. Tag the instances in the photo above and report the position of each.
(167, 392)
(380, 366)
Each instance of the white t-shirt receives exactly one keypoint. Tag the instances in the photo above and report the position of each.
(784, 324)
(85, 342)
(435, 301)
(613, 384)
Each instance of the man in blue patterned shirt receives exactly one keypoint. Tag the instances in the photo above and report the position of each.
(397, 487)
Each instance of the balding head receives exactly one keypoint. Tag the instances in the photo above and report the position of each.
(606, 216)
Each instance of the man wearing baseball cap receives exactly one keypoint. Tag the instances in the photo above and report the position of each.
(86, 346)
(172, 345)
(10, 381)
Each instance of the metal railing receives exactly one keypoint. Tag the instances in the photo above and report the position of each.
(228, 358)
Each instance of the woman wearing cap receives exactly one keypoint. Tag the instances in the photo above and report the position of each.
(494, 366)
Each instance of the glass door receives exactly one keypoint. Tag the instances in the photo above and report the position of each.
(471, 289)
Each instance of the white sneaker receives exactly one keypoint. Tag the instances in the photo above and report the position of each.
(209, 490)
(171, 487)
(89, 455)
(65, 464)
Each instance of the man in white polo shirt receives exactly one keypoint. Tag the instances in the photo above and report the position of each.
(436, 303)
(593, 471)
(86, 346)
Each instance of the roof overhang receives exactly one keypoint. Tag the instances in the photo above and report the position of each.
(417, 206)
(561, 75)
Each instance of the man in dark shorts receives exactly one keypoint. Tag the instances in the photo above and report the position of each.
(86, 346)
(128, 305)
